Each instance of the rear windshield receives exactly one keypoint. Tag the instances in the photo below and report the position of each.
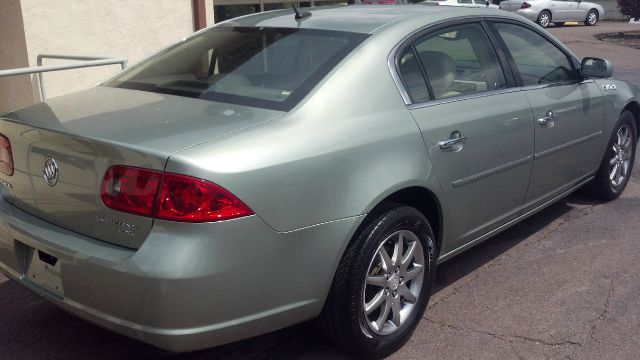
(272, 68)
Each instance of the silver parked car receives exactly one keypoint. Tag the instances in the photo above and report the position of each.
(463, 3)
(232, 184)
(545, 12)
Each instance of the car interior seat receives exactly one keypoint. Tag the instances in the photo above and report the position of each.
(441, 71)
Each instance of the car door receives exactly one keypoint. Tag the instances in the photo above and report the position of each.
(561, 10)
(477, 129)
(580, 14)
(568, 112)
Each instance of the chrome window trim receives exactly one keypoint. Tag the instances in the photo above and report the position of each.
(574, 61)
(429, 103)
(395, 52)
(396, 76)
(461, 98)
(397, 79)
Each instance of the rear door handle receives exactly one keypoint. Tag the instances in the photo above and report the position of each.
(454, 142)
(548, 120)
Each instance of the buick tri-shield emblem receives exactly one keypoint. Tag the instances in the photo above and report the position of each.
(50, 171)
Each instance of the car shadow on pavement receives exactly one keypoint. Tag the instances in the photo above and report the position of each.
(494, 247)
(32, 328)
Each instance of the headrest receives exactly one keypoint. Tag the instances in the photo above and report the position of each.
(441, 70)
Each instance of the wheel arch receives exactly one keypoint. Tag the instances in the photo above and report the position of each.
(418, 197)
(634, 108)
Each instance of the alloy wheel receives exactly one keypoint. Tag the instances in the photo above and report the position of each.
(620, 161)
(592, 18)
(545, 19)
(394, 281)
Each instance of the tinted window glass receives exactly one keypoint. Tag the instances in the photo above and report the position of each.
(460, 60)
(264, 67)
(537, 59)
(412, 76)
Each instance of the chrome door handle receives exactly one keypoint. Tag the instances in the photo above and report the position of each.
(455, 139)
(549, 120)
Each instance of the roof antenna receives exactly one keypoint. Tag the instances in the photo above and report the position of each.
(299, 15)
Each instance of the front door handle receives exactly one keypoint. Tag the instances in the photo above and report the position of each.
(548, 120)
(454, 142)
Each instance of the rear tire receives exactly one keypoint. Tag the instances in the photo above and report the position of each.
(617, 164)
(381, 288)
(544, 18)
(592, 18)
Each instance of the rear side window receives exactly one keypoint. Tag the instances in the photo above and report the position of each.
(263, 67)
(414, 81)
(460, 60)
(537, 59)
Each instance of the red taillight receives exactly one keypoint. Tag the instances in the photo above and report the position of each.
(130, 189)
(6, 156)
(525, 5)
(169, 196)
(184, 198)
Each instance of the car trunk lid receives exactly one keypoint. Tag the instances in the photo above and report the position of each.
(88, 132)
(511, 5)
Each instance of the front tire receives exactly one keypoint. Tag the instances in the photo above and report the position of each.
(592, 18)
(616, 166)
(382, 285)
(544, 18)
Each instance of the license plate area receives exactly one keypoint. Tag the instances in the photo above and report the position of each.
(43, 270)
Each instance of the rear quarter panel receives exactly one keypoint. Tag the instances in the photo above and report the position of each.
(347, 146)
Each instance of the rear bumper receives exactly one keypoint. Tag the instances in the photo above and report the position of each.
(190, 286)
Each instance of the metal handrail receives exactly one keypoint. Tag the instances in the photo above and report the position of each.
(90, 61)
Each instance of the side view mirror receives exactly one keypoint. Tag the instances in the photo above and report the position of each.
(487, 3)
(594, 67)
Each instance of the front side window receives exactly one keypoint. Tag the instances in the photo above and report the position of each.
(537, 59)
(460, 60)
(263, 67)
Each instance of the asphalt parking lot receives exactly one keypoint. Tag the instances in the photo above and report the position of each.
(562, 284)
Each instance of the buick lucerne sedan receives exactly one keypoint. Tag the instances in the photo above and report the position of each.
(238, 181)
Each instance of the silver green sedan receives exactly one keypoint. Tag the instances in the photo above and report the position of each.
(278, 168)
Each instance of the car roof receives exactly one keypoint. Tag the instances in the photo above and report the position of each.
(360, 18)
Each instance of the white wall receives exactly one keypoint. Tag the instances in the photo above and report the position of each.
(15, 91)
(131, 29)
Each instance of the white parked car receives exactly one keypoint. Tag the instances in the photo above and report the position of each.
(465, 3)
(545, 12)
